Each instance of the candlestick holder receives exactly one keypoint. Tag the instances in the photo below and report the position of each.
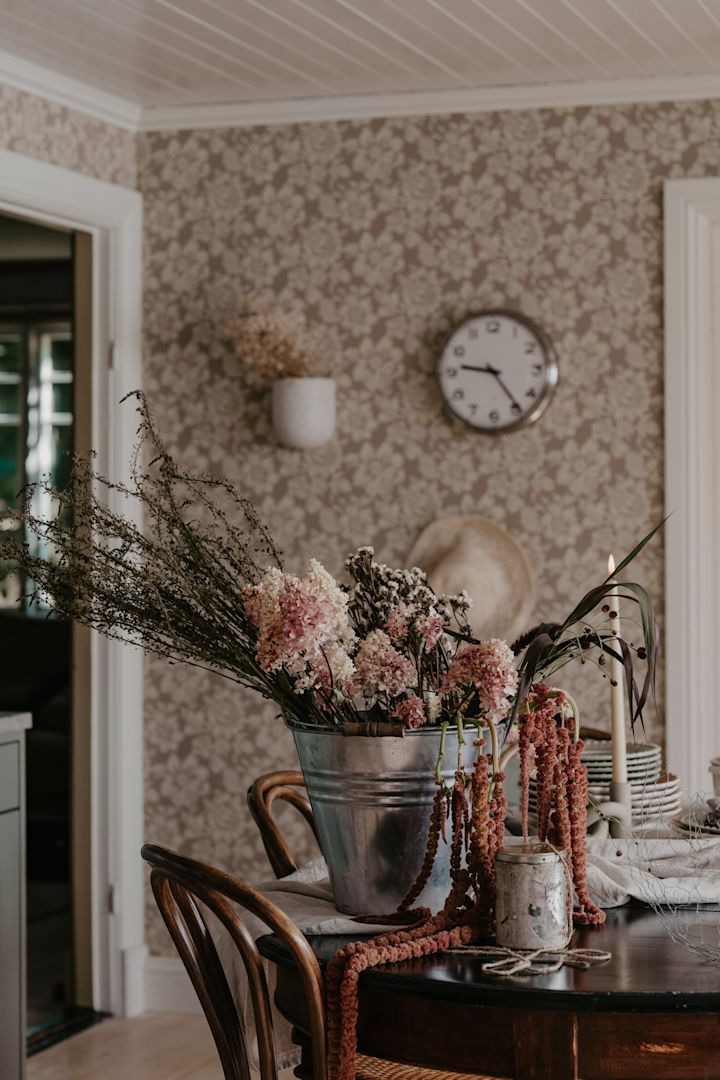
(621, 823)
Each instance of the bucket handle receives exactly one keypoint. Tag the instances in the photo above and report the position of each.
(508, 754)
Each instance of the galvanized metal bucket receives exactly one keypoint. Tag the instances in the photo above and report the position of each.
(372, 799)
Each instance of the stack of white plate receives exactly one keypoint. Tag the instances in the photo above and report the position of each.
(654, 794)
(643, 762)
(655, 799)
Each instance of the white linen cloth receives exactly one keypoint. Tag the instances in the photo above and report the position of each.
(653, 869)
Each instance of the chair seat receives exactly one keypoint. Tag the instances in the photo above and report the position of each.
(377, 1069)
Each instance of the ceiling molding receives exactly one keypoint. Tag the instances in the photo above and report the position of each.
(81, 96)
(39, 80)
(428, 103)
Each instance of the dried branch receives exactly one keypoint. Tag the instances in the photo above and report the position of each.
(173, 587)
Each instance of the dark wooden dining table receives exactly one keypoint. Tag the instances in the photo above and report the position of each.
(651, 1012)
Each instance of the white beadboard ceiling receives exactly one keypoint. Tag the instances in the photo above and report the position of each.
(178, 63)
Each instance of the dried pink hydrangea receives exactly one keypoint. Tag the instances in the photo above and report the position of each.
(410, 711)
(488, 667)
(329, 673)
(430, 629)
(398, 622)
(380, 668)
(303, 626)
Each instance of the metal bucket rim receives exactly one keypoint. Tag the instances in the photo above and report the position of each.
(426, 730)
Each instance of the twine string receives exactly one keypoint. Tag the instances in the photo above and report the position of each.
(532, 962)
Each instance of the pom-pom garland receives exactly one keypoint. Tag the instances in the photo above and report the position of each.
(476, 808)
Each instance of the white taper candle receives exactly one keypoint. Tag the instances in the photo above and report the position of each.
(617, 692)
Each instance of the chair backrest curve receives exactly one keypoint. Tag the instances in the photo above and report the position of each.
(287, 786)
(183, 887)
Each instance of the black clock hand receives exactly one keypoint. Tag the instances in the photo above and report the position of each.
(492, 371)
(504, 387)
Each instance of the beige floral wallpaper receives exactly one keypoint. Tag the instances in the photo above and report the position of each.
(36, 127)
(384, 233)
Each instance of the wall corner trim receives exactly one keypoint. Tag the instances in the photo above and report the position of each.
(73, 94)
(692, 477)
(113, 109)
(428, 103)
(134, 961)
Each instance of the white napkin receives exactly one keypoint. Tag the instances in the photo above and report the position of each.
(673, 871)
(307, 897)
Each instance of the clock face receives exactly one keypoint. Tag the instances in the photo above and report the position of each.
(497, 371)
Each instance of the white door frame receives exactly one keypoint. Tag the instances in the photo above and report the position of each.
(692, 477)
(113, 216)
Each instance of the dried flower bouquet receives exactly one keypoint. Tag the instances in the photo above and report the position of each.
(274, 345)
(203, 583)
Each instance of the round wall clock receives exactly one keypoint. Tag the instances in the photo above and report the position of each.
(496, 371)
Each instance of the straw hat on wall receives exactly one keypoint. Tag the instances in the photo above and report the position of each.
(472, 553)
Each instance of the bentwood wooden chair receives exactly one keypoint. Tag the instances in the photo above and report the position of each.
(263, 794)
(184, 889)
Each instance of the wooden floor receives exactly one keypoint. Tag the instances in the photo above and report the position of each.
(156, 1046)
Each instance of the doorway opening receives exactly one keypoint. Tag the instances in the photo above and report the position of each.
(44, 415)
(106, 223)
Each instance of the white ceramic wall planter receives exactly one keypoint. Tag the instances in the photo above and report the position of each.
(303, 412)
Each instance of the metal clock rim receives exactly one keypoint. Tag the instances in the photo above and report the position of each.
(551, 371)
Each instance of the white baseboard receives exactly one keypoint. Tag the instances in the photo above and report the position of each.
(168, 987)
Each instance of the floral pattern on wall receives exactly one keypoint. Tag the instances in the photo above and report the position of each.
(386, 233)
(41, 129)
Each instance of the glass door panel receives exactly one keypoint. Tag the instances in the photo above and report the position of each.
(50, 417)
(12, 444)
(36, 425)
(12, 409)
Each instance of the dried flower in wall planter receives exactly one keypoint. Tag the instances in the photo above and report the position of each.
(276, 348)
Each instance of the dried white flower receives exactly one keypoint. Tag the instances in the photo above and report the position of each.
(274, 345)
